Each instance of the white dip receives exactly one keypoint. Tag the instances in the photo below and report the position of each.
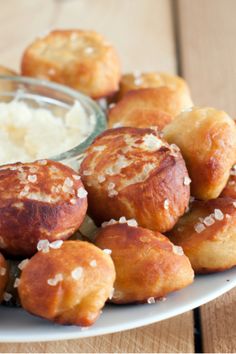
(28, 134)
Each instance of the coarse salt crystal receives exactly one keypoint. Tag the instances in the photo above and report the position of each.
(199, 227)
(111, 186)
(218, 214)
(77, 273)
(122, 220)
(101, 178)
(93, 263)
(99, 148)
(152, 142)
(54, 281)
(56, 244)
(107, 251)
(16, 283)
(89, 50)
(112, 193)
(234, 204)
(68, 182)
(227, 216)
(76, 177)
(43, 245)
(178, 250)
(82, 193)
(151, 300)
(209, 220)
(23, 263)
(138, 81)
(2, 271)
(7, 296)
(42, 162)
(117, 125)
(87, 173)
(187, 181)
(32, 178)
(111, 294)
(132, 223)
(73, 201)
(166, 204)
(110, 222)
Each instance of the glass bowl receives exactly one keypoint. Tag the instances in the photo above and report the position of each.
(59, 100)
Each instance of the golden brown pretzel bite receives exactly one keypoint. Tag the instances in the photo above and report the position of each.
(3, 276)
(148, 266)
(145, 108)
(207, 234)
(80, 59)
(207, 140)
(67, 285)
(38, 200)
(138, 80)
(132, 172)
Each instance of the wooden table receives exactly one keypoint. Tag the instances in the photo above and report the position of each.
(193, 38)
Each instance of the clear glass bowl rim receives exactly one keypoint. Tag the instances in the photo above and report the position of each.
(100, 119)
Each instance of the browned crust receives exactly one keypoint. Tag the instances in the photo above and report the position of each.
(3, 276)
(141, 193)
(146, 265)
(71, 301)
(230, 188)
(144, 108)
(213, 249)
(207, 139)
(60, 56)
(41, 213)
(132, 81)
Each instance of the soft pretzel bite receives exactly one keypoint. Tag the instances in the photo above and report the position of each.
(132, 172)
(3, 276)
(38, 200)
(134, 81)
(145, 108)
(207, 140)
(207, 234)
(80, 59)
(147, 264)
(230, 188)
(68, 285)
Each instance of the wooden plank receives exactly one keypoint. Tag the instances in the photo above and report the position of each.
(175, 335)
(208, 55)
(142, 32)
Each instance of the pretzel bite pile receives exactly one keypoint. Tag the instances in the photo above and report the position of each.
(39, 200)
(207, 139)
(134, 173)
(3, 276)
(69, 284)
(148, 266)
(135, 179)
(207, 234)
(83, 60)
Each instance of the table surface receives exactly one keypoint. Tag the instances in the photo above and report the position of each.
(193, 38)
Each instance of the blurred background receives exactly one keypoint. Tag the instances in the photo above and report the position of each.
(194, 38)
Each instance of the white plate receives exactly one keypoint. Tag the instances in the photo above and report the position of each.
(18, 326)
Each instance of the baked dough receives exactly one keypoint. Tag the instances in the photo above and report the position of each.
(230, 188)
(138, 80)
(145, 108)
(38, 200)
(68, 285)
(80, 59)
(207, 234)
(134, 173)
(207, 140)
(148, 266)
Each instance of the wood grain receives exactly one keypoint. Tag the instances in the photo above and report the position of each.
(208, 55)
(142, 32)
(175, 335)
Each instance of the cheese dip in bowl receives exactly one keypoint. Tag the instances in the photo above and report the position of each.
(40, 119)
